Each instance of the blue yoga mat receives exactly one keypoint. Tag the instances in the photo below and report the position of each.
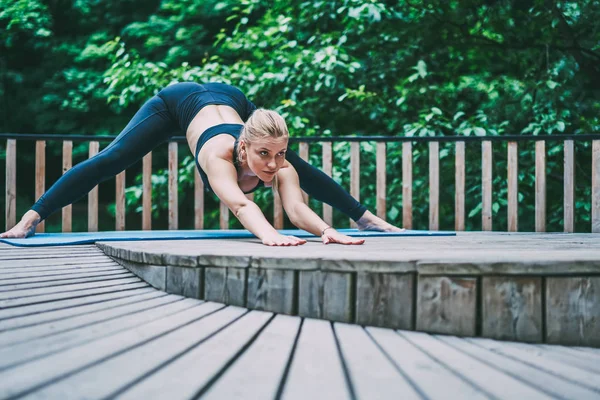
(62, 239)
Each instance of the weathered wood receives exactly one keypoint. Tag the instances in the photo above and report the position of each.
(155, 275)
(407, 185)
(11, 184)
(260, 368)
(512, 308)
(380, 180)
(120, 202)
(271, 290)
(225, 285)
(316, 371)
(223, 216)
(354, 174)
(385, 300)
(572, 311)
(486, 185)
(446, 305)
(198, 201)
(513, 187)
(17, 278)
(67, 164)
(491, 382)
(596, 186)
(434, 186)
(372, 374)
(184, 281)
(190, 375)
(541, 380)
(459, 179)
(147, 192)
(63, 284)
(277, 210)
(93, 194)
(173, 185)
(46, 370)
(327, 169)
(540, 186)
(303, 153)
(40, 176)
(418, 366)
(326, 295)
(569, 186)
(57, 264)
(553, 352)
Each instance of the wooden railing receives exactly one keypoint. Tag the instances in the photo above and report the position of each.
(327, 167)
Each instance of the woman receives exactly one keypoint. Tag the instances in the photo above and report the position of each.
(238, 149)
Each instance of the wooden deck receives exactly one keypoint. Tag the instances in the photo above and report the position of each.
(75, 324)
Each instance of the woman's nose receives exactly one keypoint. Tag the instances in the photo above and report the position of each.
(272, 163)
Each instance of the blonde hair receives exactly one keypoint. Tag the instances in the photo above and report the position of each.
(262, 124)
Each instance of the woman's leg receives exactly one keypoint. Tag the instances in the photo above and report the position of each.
(150, 126)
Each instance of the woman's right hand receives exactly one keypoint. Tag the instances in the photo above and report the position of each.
(281, 240)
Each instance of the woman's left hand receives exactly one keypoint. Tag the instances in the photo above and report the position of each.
(333, 236)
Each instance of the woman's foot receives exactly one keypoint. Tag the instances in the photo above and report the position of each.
(25, 228)
(371, 222)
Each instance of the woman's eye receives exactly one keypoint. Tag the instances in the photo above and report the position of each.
(281, 154)
(263, 153)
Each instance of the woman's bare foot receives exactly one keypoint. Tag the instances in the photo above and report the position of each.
(371, 222)
(25, 228)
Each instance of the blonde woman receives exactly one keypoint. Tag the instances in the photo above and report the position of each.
(238, 149)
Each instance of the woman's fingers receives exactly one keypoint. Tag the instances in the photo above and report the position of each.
(284, 241)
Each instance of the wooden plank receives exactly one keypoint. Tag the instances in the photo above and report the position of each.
(421, 369)
(446, 305)
(41, 283)
(372, 374)
(92, 298)
(540, 186)
(434, 186)
(55, 264)
(303, 153)
(596, 186)
(184, 281)
(513, 187)
(225, 285)
(11, 184)
(490, 381)
(486, 185)
(569, 186)
(552, 385)
(407, 185)
(326, 295)
(26, 277)
(120, 202)
(67, 164)
(316, 369)
(572, 312)
(192, 374)
(25, 301)
(583, 378)
(459, 194)
(573, 358)
(385, 300)
(147, 192)
(61, 335)
(512, 308)
(40, 176)
(328, 169)
(21, 258)
(271, 290)
(354, 175)
(173, 187)
(155, 275)
(381, 181)
(31, 293)
(94, 147)
(18, 324)
(223, 216)
(198, 201)
(260, 368)
(277, 210)
(47, 370)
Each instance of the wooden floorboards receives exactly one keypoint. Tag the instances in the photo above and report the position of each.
(75, 325)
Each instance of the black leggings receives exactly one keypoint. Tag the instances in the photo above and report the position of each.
(152, 125)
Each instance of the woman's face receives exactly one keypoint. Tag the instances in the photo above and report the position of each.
(266, 156)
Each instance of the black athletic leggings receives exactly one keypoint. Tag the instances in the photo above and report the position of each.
(152, 125)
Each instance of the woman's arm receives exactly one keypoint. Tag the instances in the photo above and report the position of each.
(301, 215)
(223, 180)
